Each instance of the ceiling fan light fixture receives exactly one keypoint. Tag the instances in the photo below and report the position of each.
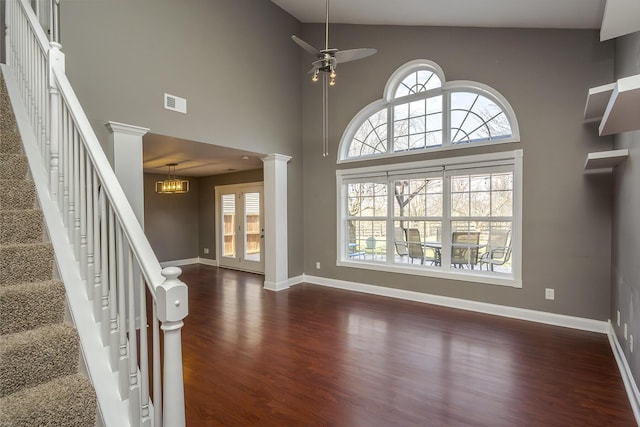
(332, 81)
(315, 76)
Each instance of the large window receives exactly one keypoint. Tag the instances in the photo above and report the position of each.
(453, 218)
(421, 111)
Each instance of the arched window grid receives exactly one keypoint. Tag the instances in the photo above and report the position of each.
(475, 126)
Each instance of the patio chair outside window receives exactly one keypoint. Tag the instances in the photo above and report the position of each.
(498, 250)
(400, 242)
(464, 249)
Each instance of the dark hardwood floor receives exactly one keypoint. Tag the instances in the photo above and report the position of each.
(315, 356)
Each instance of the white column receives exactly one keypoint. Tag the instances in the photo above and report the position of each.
(276, 256)
(126, 152)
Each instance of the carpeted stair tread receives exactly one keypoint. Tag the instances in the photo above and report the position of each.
(68, 401)
(17, 194)
(13, 166)
(23, 263)
(31, 305)
(36, 356)
(21, 226)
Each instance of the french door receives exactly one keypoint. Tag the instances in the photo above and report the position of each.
(240, 227)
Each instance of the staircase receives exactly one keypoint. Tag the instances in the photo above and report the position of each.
(40, 382)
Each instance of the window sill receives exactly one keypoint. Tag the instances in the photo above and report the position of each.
(436, 272)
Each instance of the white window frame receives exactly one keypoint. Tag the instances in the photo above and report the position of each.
(389, 101)
(391, 171)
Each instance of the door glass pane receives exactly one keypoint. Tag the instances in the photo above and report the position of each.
(252, 226)
(229, 224)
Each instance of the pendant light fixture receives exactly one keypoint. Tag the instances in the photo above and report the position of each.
(172, 185)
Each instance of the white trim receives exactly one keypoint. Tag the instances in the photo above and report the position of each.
(423, 164)
(179, 262)
(630, 384)
(276, 286)
(115, 127)
(494, 161)
(475, 276)
(106, 383)
(189, 261)
(209, 262)
(462, 304)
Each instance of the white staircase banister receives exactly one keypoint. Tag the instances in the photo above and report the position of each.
(110, 248)
(138, 241)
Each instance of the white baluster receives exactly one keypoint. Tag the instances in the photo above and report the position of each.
(82, 211)
(97, 247)
(89, 225)
(134, 386)
(77, 203)
(65, 163)
(53, 125)
(121, 284)
(172, 298)
(113, 295)
(157, 370)
(145, 414)
(105, 277)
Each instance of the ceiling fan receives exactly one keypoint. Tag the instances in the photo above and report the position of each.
(326, 62)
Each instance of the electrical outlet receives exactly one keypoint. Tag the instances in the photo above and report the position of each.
(625, 331)
(550, 293)
(206, 251)
(317, 265)
(618, 318)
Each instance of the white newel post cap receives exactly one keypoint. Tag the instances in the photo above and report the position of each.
(172, 297)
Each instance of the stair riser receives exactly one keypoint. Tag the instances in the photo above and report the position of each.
(13, 166)
(26, 263)
(31, 305)
(34, 357)
(23, 226)
(17, 194)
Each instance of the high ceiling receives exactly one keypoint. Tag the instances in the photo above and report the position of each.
(465, 13)
(613, 17)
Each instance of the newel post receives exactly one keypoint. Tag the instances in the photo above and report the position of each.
(172, 305)
(56, 62)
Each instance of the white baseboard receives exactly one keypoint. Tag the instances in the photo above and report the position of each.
(209, 262)
(630, 384)
(189, 261)
(481, 307)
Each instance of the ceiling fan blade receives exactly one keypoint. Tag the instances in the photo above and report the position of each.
(353, 54)
(306, 46)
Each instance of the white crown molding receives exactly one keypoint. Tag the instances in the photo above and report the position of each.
(116, 127)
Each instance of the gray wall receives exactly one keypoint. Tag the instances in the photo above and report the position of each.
(206, 205)
(625, 278)
(545, 75)
(233, 61)
(171, 220)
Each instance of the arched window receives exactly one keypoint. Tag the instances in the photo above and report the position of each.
(421, 111)
(454, 217)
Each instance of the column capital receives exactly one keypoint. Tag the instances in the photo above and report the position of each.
(115, 127)
(274, 157)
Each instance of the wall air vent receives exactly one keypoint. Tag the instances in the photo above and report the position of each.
(175, 103)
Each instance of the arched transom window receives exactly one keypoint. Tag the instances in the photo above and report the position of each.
(421, 111)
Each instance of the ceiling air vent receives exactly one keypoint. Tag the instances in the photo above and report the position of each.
(175, 103)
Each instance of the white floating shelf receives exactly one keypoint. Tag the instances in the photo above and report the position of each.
(616, 105)
(597, 101)
(605, 159)
(623, 111)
